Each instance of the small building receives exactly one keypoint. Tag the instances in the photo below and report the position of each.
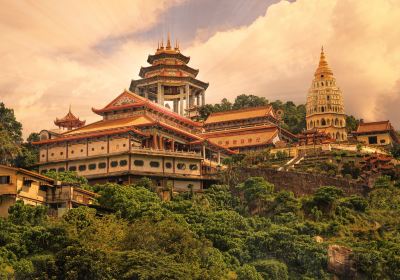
(379, 133)
(314, 137)
(36, 189)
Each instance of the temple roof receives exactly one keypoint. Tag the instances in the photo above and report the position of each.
(381, 126)
(172, 79)
(323, 69)
(128, 99)
(235, 115)
(69, 120)
(185, 68)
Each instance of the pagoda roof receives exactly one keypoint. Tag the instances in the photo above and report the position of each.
(69, 120)
(162, 55)
(246, 113)
(99, 133)
(377, 127)
(323, 68)
(183, 67)
(173, 79)
(128, 99)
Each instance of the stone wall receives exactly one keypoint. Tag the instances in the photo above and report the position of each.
(297, 182)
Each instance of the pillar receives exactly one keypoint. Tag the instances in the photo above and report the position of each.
(198, 100)
(203, 97)
(187, 96)
(160, 96)
(173, 145)
(204, 151)
(146, 93)
(181, 101)
(176, 107)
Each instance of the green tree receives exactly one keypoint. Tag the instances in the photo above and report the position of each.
(246, 101)
(351, 123)
(29, 154)
(9, 123)
(248, 272)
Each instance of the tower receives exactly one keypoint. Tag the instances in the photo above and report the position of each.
(325, 107)
(169, 78)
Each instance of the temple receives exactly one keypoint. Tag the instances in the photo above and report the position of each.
(170, 81)
(325, 107)
(379, 133)
(136, 137)
(247, 129)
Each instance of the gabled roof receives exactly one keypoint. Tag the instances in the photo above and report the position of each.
(128, 99)
(235, 115)
(381, 126)
(29, 173)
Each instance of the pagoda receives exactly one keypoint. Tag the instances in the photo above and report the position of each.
(325, 107)
(70, 121)
(169, 78)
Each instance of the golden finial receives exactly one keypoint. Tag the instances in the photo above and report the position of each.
(162, 43)
(168, 42)
(69, 108)
(176, 45)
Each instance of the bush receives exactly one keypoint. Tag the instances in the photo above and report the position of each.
(248, 272)
(271, 269)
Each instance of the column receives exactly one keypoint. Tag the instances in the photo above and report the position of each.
(181, 101)
(203, 97)
(159, 94)
(176, 107)
(204, 151)
(146, 93)
(198, 100)
(187, 97)
(173, 145)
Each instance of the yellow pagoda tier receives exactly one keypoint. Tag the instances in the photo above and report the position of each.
(325, 107)
(69, 121)
(170, 79)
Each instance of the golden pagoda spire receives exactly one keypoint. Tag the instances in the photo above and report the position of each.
(323, 69)
(168, 47)
(176, 45)
(162, 43)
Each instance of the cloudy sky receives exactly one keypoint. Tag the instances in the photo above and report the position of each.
(84, 53)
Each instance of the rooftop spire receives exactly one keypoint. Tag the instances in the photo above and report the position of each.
(168, 47)
(323, 69)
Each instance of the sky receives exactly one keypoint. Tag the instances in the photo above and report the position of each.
(82, 53)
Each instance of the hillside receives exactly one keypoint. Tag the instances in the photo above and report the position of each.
(248, 231)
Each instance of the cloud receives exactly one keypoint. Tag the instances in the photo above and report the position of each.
(278, 53)
(82, 54)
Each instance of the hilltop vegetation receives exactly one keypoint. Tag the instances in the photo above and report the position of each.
(248, 231)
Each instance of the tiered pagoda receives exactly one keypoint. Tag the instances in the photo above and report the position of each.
(325, 106)
(69, 121)
(170, 79)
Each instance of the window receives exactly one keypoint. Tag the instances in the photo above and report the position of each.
(123, 145)
(193, 167)
(168, 165)
(42, 188)
(138, 162)
(72, 151)
(102, 148)
(102, 165)
(92, 166)
(61, 169)
(81, 150)
(123, 162)
(5, 180)
(181, 166)
(52, 169)
(82, 167)
(154, 164)
(92, 149)
(43, 155)
(382, 141)
(43, 171)
(52, 154)
(114, 163)
(61, 153)
(72, 168)
(26, 182)
(249, 140)
(227, 142)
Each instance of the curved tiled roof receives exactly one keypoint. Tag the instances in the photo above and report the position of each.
(235, 115)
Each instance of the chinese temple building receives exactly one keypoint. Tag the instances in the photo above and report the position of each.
(325, 107)
(170, 79)
(69, 122)
(247, 129)
(376, 133)
(136, 137)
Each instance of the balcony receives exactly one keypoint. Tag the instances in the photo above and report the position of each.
(176, 153)
(8, 189)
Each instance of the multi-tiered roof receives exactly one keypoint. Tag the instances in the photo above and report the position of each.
(168, 63)
(69, 121)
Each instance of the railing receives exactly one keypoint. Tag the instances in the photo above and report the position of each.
(8, 189)
(167, 152)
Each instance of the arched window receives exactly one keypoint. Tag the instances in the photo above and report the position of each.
(322, 109)
(336, 122)
(337, 135)
(317, 122)
(328, 121)
(323, 122)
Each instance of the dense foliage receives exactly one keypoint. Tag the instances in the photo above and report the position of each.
(12, 148)
(247, 231)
